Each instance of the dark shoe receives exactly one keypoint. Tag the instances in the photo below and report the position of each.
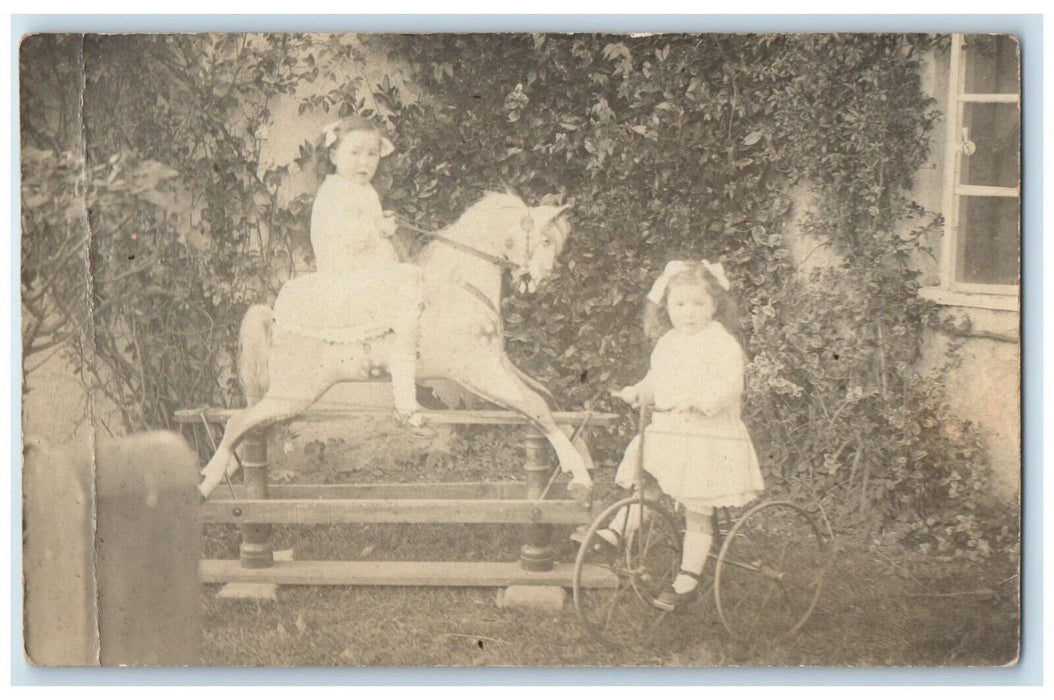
(580, 491)
(606, 542)
(669, 600)
(422, 432)
(578, 535)
(415, 425)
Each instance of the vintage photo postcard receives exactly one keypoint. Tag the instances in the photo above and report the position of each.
(529, 350)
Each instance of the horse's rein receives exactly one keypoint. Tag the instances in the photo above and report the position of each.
(494, 259)
(468, 287)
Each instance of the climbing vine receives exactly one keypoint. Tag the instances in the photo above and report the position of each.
(667, 146)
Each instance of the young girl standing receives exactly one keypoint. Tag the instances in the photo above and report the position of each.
(360, 289)
(696, 449)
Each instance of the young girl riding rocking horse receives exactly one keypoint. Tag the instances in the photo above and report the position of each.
(356, 262)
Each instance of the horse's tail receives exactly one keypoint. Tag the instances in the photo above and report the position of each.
(254, 341)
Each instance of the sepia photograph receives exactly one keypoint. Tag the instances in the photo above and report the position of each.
(521, 349)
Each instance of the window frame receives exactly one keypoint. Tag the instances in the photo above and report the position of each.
(951, 290)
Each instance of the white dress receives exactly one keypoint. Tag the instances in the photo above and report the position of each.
(704, 457)
(360, 290)
(346, 221)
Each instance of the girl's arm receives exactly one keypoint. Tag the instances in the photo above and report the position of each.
(389, 224)
(644, 390)
(639, 393)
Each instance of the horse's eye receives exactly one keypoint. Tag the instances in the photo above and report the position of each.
(547, 242)
(509, 243)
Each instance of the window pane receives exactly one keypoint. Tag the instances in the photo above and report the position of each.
(989, 240)
(995, 130)
(992, 64)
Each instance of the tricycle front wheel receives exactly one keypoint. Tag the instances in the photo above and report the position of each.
(615, 586)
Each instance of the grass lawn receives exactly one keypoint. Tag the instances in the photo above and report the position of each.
(878, 608)
(875, 611)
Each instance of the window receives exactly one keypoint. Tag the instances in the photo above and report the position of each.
(981, 248)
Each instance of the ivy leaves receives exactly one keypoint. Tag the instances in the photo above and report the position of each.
(670, 146)
(689, 147)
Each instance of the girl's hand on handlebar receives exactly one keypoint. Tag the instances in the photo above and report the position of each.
(629, 394)
(389, 224)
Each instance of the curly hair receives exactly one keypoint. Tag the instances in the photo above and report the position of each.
(323, 165)
(726, 310)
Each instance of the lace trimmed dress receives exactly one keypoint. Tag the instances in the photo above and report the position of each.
(360, 290)
(702, 458)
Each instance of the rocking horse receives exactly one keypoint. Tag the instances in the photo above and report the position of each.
(284, 372)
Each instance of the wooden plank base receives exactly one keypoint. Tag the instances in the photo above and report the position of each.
(398, 573)
(445, 417)
(249, 591)
(394, 510)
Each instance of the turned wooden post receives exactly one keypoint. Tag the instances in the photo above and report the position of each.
(256, 551)
(537, 553)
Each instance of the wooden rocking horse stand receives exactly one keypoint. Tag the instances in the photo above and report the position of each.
(536, 503)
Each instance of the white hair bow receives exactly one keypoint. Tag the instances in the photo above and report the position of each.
(674, 267)
(329, 133)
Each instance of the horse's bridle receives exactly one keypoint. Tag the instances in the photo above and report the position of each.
(457, 245)
(468, 286)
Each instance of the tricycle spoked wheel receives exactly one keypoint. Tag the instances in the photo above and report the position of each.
(770, 571)
(614, 586)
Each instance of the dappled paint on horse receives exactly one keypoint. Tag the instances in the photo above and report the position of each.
(284, 373)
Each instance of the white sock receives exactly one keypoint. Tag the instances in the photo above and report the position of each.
(403, 385)
(696, 547)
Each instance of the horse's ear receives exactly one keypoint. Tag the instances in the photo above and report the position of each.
(547, 214)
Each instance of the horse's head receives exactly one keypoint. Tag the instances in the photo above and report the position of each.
(549, 231)
(528, 238)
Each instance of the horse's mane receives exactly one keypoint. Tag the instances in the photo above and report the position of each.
(474, 224)
(488, 205)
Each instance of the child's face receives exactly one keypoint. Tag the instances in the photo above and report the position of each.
(357, 155)
(690, 307)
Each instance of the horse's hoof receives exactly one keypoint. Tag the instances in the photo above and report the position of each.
(580, 490)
